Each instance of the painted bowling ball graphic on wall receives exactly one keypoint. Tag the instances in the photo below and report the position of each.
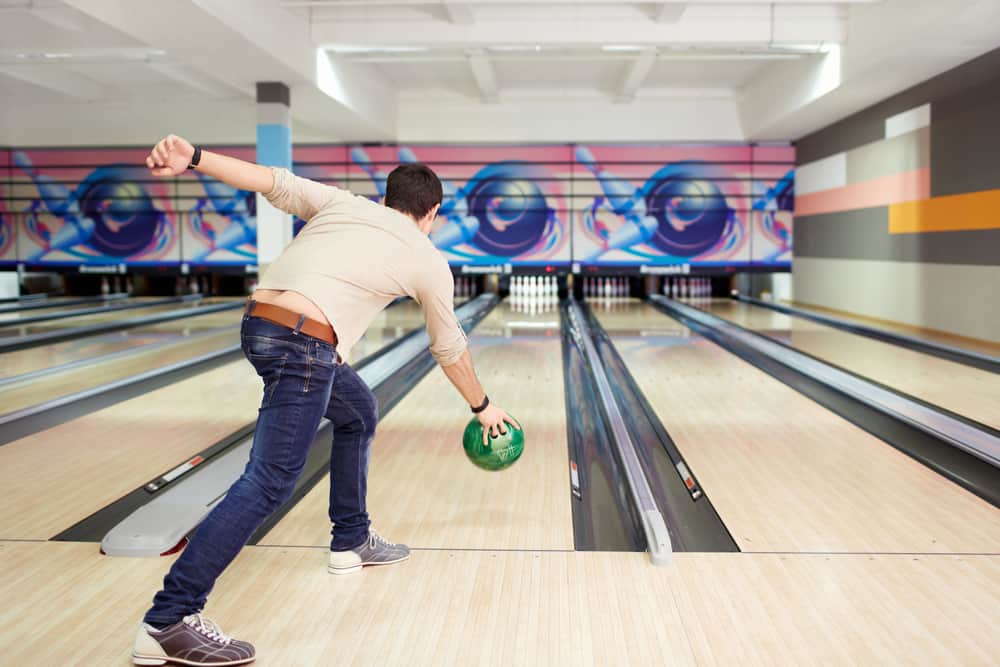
(124, 216)
(691, 210)
(510, 206)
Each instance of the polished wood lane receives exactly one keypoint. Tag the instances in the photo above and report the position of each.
(13, 330)
(66, 604)
(991, 348)
(784, 473)
(964, 390)
(423, 491)
(13, 317)
(46, 356)
(54, 478)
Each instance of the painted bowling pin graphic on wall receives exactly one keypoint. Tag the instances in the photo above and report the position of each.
(360, 157)
(238, 208)
(625, 200)
(108, 217)
(459, 226)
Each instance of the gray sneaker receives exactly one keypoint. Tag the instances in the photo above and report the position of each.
(193, 641)
(373, 551)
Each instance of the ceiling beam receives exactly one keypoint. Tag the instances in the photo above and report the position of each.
(668, 12)
(57, 79)
(459, 14)
(636, 75)
(755, 27)
(485, 76)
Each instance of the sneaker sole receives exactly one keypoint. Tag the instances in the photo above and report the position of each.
(357, 568)
(160, 660)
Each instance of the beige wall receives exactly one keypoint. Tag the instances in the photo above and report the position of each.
(959, 299)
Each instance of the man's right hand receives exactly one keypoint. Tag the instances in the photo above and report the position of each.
(170, 156)
(495, 421)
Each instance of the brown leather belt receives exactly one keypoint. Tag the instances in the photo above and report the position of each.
(292, 320)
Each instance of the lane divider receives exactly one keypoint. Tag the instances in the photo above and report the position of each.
(653, 524)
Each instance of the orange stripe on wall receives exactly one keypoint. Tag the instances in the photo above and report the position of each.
(973, 210)
(883, 191)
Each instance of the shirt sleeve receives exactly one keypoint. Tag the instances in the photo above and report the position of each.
(301, 196)
(436, 296)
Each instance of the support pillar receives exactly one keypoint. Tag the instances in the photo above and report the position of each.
(274, 149)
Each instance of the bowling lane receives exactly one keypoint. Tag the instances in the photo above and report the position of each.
(46, 356)
(34, 390)
(58, 477)
(424, 492)
(967, 391)
(12, 318)
(784, 473)
(11, 331)
(930, 335)
(392, 323)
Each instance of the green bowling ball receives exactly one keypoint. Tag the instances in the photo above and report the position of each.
(498, 453)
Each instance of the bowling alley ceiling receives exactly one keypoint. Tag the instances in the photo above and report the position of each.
(469, 70)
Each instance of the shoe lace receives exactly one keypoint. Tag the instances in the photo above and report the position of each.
(207, 628)
(374, 540)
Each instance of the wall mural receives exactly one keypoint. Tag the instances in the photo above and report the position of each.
(708, 205)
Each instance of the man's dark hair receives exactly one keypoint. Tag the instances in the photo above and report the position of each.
(413, 189)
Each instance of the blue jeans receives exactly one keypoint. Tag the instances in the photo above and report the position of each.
(303, 382)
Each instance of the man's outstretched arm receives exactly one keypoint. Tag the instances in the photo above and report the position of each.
(287, 192)
(172, 155)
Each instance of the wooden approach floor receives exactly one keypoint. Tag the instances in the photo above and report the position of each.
(66, 604)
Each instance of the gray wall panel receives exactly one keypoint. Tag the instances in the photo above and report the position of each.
(938, 296)
(864, 234)
(965, 141)
(869, 124)
(891, 156)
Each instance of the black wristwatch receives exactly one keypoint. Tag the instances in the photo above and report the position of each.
(196, 158)
(485, 404)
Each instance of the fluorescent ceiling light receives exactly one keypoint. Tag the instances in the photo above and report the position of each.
(621, 47)
(515, 48)
(379, 49)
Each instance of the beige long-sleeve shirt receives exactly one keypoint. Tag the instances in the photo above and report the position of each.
(354, 257)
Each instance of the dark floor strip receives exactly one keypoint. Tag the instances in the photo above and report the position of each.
(41, 302)
(964, 469)
(692, 520)
(958, 355)
(34, 319)
(604, 518)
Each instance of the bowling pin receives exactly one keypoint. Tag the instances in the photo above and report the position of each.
(128, 285)
(105, 286)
